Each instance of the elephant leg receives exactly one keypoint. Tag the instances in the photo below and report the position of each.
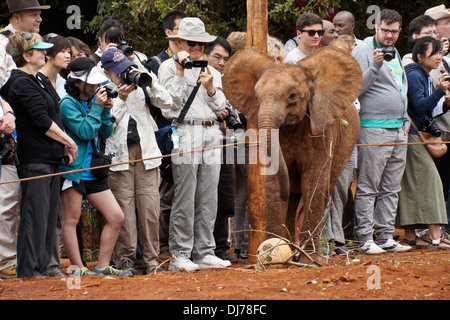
(299, 219)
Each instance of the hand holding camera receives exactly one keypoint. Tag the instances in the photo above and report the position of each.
(102, 98)
(445, 82)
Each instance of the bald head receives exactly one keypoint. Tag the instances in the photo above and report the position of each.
(344, 22)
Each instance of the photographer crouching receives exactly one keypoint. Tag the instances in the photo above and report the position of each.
(135, 185)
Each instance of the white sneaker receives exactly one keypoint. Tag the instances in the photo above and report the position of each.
(212, 261)
(370, 247)
(393, 246)
(182, 263)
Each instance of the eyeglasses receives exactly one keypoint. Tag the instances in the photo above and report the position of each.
(220, 57)
(430, 33)
(194, 43)
(311, 33)
(387, 31)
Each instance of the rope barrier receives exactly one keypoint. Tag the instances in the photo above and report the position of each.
(200, 150)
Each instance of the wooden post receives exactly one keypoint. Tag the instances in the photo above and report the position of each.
(257, 30)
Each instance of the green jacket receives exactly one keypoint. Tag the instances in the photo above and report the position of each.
(81, 127)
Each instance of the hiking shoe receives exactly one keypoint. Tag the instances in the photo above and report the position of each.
(370, 247)
(111, 271)
(151, 269)
(83, 272)
(182, 263)
(393, 246)
(127, 265)
(212, 261)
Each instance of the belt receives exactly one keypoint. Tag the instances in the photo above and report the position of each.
(205, 123)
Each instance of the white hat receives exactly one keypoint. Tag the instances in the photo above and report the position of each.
(93, 76)
(439, 12)
(193, 29)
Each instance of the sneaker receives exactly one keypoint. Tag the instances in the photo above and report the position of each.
(370, 247)
(127, 265)
(111, 271)
(393, 246)
(84, 272)
(211, 261)
(8, 273)
(151, 269)
(182, 263)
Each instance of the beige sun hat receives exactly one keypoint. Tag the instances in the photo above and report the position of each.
(439, 12)
(193, 29)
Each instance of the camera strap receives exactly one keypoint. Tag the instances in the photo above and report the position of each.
(188, 104)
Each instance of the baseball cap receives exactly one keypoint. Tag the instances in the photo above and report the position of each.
(115, 60)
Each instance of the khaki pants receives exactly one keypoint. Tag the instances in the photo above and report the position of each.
(136, 191)
(9, 216)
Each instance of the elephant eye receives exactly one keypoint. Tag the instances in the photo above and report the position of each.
(293, 96)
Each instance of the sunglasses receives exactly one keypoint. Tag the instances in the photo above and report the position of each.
(194, 43)
(311, 33)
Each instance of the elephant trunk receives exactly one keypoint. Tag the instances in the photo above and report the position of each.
(270, 144)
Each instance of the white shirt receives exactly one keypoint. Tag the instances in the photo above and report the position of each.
(203, 107)
(6, 62)
(136, 108)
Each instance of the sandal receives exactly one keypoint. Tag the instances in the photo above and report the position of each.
(411, 243)
(440, 243)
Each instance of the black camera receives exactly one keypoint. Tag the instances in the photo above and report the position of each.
(389, 53)
(110, 92)
(233, 121)
(432, 127)
(141, 79)
(6, 150)
(126, 49)
(188, 63)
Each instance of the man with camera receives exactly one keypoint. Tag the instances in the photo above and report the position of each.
(384, 120)
(195, 174)
(135, 185)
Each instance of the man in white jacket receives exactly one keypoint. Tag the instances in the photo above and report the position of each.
(135, 185)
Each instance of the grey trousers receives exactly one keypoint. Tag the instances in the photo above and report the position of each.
(9, 216)
(196, 178)
(333, 229)
(380, 171)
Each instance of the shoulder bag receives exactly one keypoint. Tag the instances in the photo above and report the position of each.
(437, 148)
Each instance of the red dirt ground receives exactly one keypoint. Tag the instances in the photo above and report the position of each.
(414, 275)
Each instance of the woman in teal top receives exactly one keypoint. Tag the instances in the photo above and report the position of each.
(86, 115)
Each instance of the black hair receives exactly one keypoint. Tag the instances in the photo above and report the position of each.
(219, 41)
(169, 19)
(421, 46)
(307, 19)
(418, 23)
(60, 43)
(113, 35)
(109, 22)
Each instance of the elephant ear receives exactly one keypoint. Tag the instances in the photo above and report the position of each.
(337, 82)
(240, 77)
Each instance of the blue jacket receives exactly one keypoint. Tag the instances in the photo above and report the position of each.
(81, 127)
(422, 97)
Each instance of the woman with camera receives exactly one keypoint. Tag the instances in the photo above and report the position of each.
(421, 203)
(86, 114)
(41, 149)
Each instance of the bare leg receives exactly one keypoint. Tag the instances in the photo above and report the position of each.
(108, 206)
(71, 212)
